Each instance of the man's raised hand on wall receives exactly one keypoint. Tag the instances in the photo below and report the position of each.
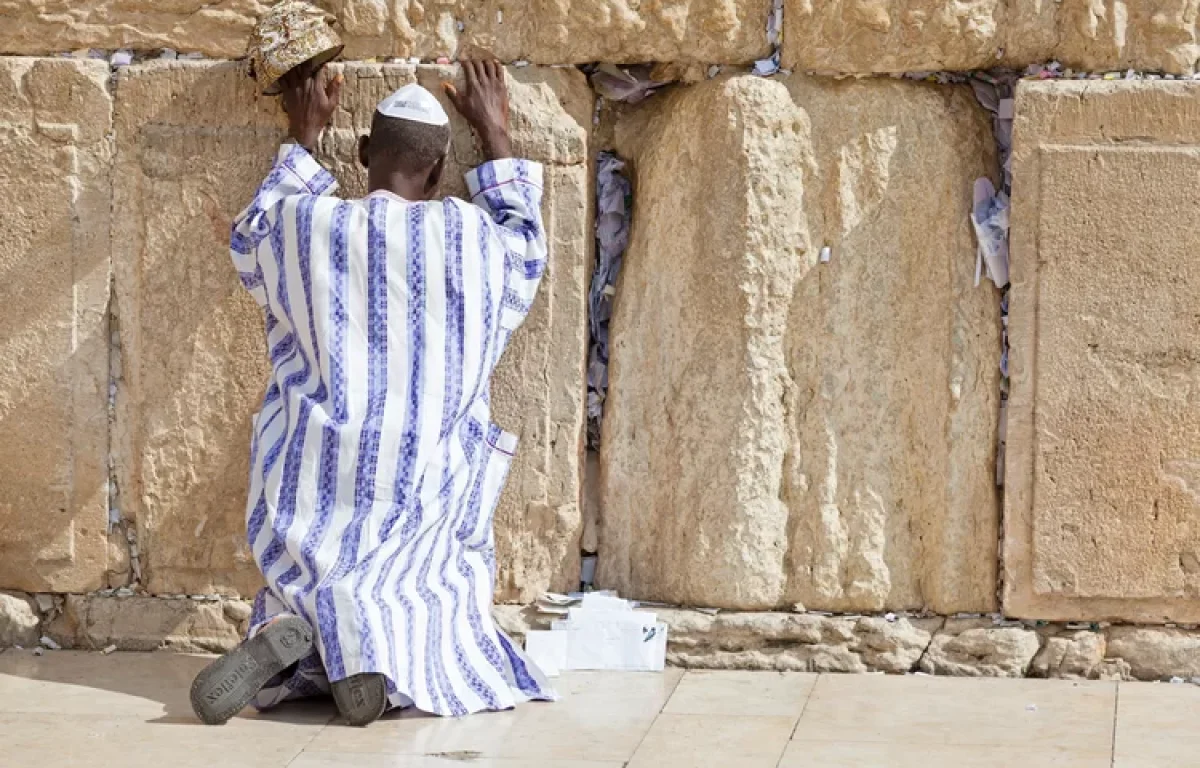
(483, 101)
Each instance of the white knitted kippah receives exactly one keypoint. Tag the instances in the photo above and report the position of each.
(412, 102)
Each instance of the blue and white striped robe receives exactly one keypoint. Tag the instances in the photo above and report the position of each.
(375, 467)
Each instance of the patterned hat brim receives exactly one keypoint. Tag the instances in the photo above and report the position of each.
(272, 86)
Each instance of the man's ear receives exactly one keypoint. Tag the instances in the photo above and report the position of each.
(363, 141)
(434, 178)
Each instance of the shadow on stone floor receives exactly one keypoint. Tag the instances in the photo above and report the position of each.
(153, 686)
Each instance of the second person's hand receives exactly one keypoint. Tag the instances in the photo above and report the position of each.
(309, 98)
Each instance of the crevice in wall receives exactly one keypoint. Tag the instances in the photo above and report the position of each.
(614, 203)
(630, 84)
(125, 570)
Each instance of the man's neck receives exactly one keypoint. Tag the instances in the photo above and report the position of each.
(400, 185)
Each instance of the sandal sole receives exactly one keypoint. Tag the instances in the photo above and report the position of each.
(227, 685)
(362, 699)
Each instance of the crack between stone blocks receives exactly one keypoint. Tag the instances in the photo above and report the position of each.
(117, 524)
(658, 714)
(309, 742)
(916, 667)
(1112, 761)
(803, 709)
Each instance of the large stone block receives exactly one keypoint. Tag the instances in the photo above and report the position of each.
(976, 648)
(780, 430)
(796, 642)
(193, 143)
(55, 116)
(538, 393)
(217, 29)
(1090, 35)
(915, 35)
(560, 31)
(19, 620)
(892, 35)
(1103, 485)
(96, 622)
(541, 31)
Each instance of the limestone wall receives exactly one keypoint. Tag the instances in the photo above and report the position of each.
(1104, 480)
(55, 119)
(913, 35)
(804, 392)
(192, 142)
(828, 426)
(135, 181)
(824, 35)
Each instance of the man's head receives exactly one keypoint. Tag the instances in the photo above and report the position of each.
(406, 151)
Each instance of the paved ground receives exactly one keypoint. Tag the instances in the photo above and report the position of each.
(131, 711)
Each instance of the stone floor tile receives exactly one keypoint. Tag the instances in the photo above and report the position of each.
(84, 741)
(970, 711)
(1157, 726)
(704, 692)
(846, 754)
(700, 741)
(88, 683)
(444, 760)
(602, 717)
(137, 685)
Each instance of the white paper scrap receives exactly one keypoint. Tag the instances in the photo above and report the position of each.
(603, 632)
(548, 650)
(617, 646)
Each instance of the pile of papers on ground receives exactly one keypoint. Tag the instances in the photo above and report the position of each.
(600, 631)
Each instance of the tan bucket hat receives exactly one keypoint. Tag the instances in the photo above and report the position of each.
(288, 35)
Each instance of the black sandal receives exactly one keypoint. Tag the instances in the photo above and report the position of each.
(362, 699)
(226, 686)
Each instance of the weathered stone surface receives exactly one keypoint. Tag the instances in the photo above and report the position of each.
(779, 431)
(1156, 654)
(541, 31)
(920, 35)
(237, 610)
(49, 26)
(537, 392)
(19, 620)
(194, 142)
(1103, 36)
(146, 624)
(1103, 461)
(55, 116)
(1076, 655)
(976, 649)
(892, 35)
(797, 642)
(561, 31)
